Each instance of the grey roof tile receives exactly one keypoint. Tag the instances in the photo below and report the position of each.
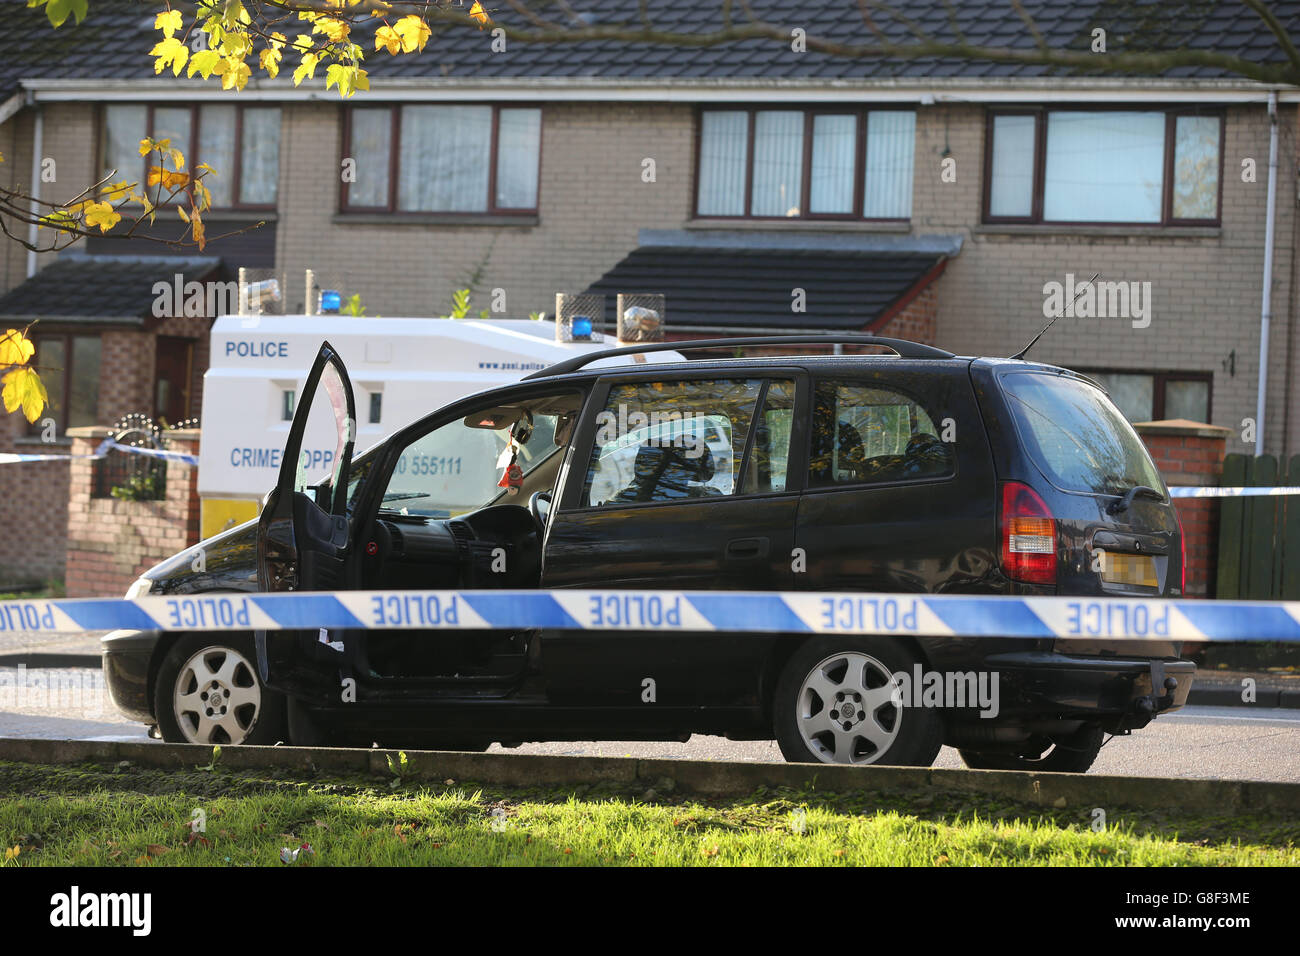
(750, 288)
(114, 40)
(114, 290)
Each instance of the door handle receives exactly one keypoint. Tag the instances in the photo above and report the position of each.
(747, 548)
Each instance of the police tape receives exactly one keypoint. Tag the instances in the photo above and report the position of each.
(1190, 491)
(102, 450)
(806, 612)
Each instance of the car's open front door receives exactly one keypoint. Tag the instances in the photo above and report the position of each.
(302, 541)
(303, 530)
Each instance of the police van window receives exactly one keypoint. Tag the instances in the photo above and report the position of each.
(864, 434)
(286, 405)
(670, 441)
(376, 407)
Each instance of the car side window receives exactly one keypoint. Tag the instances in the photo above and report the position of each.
(769, 452)
(457, 467)
(670, 441)
(868, 434)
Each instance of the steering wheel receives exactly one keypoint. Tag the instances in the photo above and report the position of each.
(535, 508)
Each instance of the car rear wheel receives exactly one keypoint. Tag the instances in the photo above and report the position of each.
(208, 692)
(836, 703)
(1074, 754)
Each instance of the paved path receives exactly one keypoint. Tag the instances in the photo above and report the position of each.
(1198, 742)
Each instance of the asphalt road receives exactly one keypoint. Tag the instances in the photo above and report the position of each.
(1198, 742)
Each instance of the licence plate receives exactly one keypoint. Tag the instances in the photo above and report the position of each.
(1137, 570)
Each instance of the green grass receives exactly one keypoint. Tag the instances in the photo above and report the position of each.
(105, 816)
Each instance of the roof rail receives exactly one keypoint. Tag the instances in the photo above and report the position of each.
(902, 347)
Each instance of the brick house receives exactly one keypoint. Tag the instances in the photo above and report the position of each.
(104, 354)
(949, 201)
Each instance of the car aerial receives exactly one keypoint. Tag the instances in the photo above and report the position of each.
(916, 471)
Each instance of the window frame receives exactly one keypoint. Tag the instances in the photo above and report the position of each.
(66, 337)
(192, 156)
(860, 114)
(1040, 114)
(1159, 380)
(394, 154)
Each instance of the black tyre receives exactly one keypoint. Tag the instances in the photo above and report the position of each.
(834, 703)
(1074, 754)
(208, 692)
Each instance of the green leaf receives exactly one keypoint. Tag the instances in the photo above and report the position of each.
(58, 11)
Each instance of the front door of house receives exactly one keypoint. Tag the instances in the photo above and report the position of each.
(174, 367)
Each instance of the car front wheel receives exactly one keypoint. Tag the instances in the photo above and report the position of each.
(836, 703)
(208, 692)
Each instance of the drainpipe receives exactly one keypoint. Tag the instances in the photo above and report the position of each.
(1266, 305)
(38, 146)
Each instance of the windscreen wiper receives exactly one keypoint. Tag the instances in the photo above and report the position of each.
(399, 496)
(1146, 491)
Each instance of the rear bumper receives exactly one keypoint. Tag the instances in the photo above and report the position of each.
(127, 659)
(1132, 691)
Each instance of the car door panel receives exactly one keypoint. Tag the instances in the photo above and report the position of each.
(715, 542)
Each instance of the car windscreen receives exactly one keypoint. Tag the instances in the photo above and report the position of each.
(1076, 435)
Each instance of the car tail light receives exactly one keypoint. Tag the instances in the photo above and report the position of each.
(1182, 551)
(1028, 536)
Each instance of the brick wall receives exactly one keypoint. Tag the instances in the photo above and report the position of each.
(1189, 453)
(109, 541)
(918, 318)
(33, 512)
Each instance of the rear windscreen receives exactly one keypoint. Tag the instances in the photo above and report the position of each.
(1076, 435)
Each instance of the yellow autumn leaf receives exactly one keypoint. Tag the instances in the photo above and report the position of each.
(234, 73)
(199, 230)
(336, 30)
(277, 41)
(24, 389)
(203, 63)
(237, 45)
(170, 52)
(169, 21)
(270, 61)
(305, 69)
(349, 79)
(180, 211)
(118, 191)
(171, 181)
(15, 348)
(60, 219)
(103, 215)
(386, 37)
(148, 145)
(413, 31)
(202, 194)
(479, 15)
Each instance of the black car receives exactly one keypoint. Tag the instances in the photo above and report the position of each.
(918, 471)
